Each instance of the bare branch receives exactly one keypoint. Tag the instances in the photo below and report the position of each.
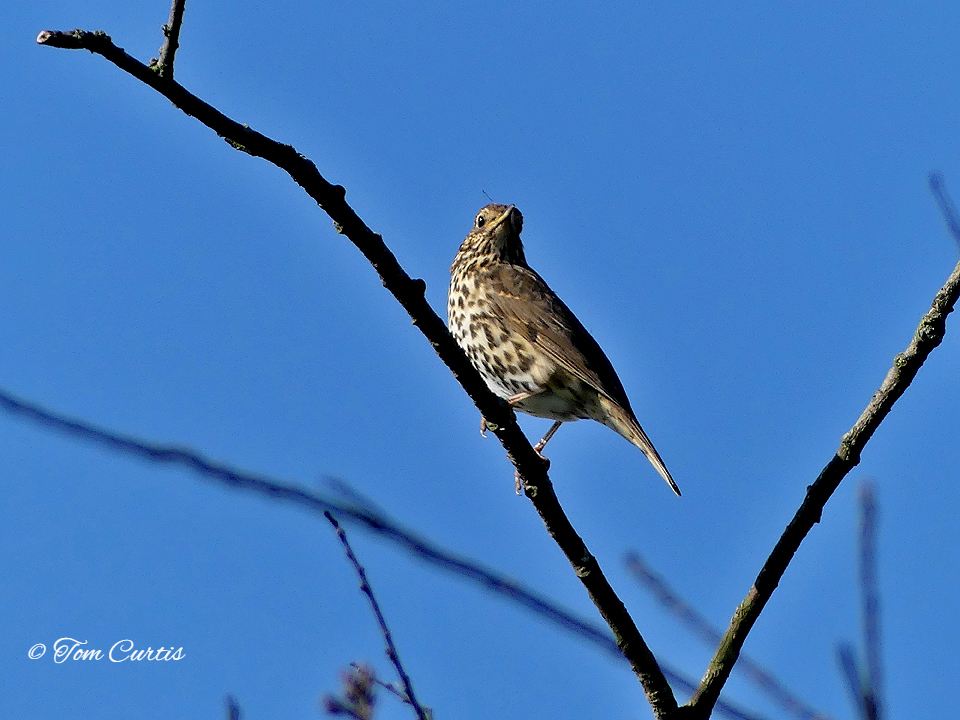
(171, 33)
(410, 294)
(864, 681)
(928, 336)
(367, 590)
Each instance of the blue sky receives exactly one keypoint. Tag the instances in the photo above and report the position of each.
(732, 200)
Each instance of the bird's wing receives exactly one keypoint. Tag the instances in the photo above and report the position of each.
(531, 309)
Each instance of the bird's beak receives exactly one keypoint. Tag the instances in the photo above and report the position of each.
(503, 216)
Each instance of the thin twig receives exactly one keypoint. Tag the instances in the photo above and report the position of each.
(863, 681)
(367, 590)
(695, 621)
(389, 687)
(851, 673)
(233, 710)
(928, 336)
(947, 209)
(410, 294)
(870, 596)
(171, 40)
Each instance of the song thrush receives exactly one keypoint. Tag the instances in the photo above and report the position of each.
(529, 348)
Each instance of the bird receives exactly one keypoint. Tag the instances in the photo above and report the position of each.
(530, 348)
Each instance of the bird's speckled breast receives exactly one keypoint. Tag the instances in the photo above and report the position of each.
(508, 361)
(505, 359)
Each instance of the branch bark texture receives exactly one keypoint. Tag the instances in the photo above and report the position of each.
(171, 41)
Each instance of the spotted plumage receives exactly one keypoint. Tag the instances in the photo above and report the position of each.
(529, 347)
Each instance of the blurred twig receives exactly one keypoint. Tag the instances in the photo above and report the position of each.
(865, 682)
(357, 509)
(233, 710)
(947, 208)
(696, 622)
(367, 590)
(357, 698)
(871, 598)
(389, 687)
(847, 658)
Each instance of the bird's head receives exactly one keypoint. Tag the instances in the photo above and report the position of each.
(495, 236)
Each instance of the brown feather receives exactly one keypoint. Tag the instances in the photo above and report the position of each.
(528, 345)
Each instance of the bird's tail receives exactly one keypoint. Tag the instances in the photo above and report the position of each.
(626, 424)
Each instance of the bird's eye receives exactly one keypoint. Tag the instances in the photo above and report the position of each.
(480, 220)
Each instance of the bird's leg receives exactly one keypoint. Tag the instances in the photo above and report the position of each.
(537, 448)
(546, 438)
(513, 400)
(520, 397)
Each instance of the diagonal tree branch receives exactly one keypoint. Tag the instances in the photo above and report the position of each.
(905, 367)
(410, 293)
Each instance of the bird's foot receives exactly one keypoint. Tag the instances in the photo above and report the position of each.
(484, 426)
(546, 460)
(518, 484)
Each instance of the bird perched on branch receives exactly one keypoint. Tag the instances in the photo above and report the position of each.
(529, 347)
